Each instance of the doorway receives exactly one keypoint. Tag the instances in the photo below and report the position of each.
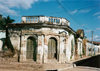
(31, 48)
(52, 48)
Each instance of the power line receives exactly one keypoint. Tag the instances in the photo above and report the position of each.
(66, 10)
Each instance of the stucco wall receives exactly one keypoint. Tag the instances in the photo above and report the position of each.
(79, 46)
(42, 36)
(70, 38)
(1, 44)
(2, 35)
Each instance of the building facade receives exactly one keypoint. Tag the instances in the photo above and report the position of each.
(47, 40)
(80, 47)
(92, 48)
(43, 39)
(2, 37)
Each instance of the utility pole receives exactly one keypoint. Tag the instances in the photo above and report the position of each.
(92, 44)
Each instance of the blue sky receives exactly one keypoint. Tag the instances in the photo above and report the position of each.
(82, 14)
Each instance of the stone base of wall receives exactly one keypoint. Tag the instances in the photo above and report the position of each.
(1, 43)
(38, 59)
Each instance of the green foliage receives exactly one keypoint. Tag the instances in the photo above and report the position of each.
(5, 21)
(8, 20)
(83, 51)
(81, 55)
(70, 57)
(4, 26)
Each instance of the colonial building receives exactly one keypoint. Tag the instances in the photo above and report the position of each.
(43, 39)
(92, 48)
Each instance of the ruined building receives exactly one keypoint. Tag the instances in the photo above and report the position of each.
(43, 39)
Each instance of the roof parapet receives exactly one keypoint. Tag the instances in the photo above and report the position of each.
(45, 19)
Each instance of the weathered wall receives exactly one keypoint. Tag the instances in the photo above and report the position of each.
(1, 44)
(79, 46)
(42, 36)
(71, 38)
(2, 35)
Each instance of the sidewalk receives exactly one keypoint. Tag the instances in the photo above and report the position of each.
(13, 65)
(58, 67)
(82, 68)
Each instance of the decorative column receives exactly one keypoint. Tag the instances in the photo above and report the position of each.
(61, 50)
(40, 49)
(22, 48)
(66, 48)
(45, 51)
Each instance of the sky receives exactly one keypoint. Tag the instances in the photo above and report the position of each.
(82, 14)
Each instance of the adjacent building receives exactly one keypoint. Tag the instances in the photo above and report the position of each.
(92, 48)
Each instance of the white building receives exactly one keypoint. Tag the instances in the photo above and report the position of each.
(43, 39)
(2, 36)
(92, 48)
(80, 47)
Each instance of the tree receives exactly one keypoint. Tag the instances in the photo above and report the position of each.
(4, 22)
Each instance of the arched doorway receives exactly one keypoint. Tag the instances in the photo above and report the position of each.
(31, 48)
(52, 48)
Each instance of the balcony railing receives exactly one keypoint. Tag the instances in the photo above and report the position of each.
(45, 19)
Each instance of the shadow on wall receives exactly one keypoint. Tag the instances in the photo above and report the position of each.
(7, 45)
(91, 62)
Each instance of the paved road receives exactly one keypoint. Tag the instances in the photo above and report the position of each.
(83, 69)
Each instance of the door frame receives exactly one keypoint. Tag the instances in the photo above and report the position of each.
(56, 57)
(35, 40)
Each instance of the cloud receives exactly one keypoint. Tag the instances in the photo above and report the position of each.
(46, 0)
(87, 31)
(74, 11)
(98, 17)
(6, 10)
(80, 11)
(97, 13)
(97, 28)
(97, 38)
(18, 3)
(7, 5)
(85, 10)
